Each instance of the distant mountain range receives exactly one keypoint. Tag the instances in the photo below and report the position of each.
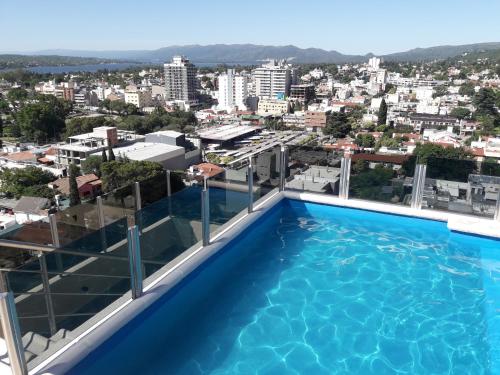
(254, 54)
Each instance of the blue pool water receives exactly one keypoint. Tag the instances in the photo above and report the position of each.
(314, 289)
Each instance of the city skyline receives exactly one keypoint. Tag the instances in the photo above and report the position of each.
(369, 27)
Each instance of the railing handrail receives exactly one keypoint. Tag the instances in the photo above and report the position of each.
(28, 246)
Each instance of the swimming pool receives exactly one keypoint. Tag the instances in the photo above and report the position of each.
(314, 289)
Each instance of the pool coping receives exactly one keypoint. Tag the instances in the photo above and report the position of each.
(455, 222)
(103, 325)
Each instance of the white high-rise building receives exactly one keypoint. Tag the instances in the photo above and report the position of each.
(273, 80)
(180, 80)
(374, 62)
(233, 91)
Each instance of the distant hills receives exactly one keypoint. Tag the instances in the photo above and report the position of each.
(254, 54)
(13, 61)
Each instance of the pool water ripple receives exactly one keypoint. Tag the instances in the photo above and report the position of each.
(323, 290)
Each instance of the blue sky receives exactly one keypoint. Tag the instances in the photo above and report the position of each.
(349, 26)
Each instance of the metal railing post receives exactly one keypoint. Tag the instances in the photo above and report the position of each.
(137, 196)
(169, 184)
(12, 334)
(497, 207)
(250, 185)
(282, 168)
(48, 296)
(138, 205)
(102, 223)
(134, 258)
(205, 214)
(418, 186)
(55, 240)
(345, 175)
(100, 212)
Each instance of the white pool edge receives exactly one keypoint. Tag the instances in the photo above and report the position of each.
(107, 323)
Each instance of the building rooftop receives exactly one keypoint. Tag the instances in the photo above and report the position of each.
(226, 132)
(148, 151)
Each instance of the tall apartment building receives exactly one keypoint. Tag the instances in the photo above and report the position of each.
(233, 91)
(374, 62)
(180, 80)
(273, 80)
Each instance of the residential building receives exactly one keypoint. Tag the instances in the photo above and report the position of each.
(89, 185)
(81, 146)
(374, 63)
(296, 119)
(273, 80)
(316, 119)
(180, 81)
(302, 93)
(273, 107)
(232, 91)
(139, 98)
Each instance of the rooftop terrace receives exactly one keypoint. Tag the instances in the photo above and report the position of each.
(94, 267)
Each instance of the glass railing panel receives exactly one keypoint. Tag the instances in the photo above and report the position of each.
(266, 171)
(228, 191)
(76, 222)
(63, 296)
(313, 169)
(448, 187)
(35, 229)
(382, 178)
(170, 225)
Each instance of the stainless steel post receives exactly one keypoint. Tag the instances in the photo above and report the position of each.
(415, 186)
(250, 185)
(55, 240)
(205, 215)
(138, 206)
(418, 186)
(345, 174)
(48, 296)
(169, 184)
(497, 207)
(134, 258)
(12, 334)
(100, 212)
(282, 168)
(137, 195)
(102, 223)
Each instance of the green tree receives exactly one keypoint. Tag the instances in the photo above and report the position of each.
(365, 140)
(16, 182)
(382, 113)
(445, 163)
(368, 183)
(485, 101)
(440, 91)
(17, 95)
(92, 164)
(80, 125)
(212, 158)
(42, 120)
(338, 125)
(74, 194)
(104, 156)
(116, 174)
(111, 154)
(460, 112)
(4, 106)
(467, 89)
